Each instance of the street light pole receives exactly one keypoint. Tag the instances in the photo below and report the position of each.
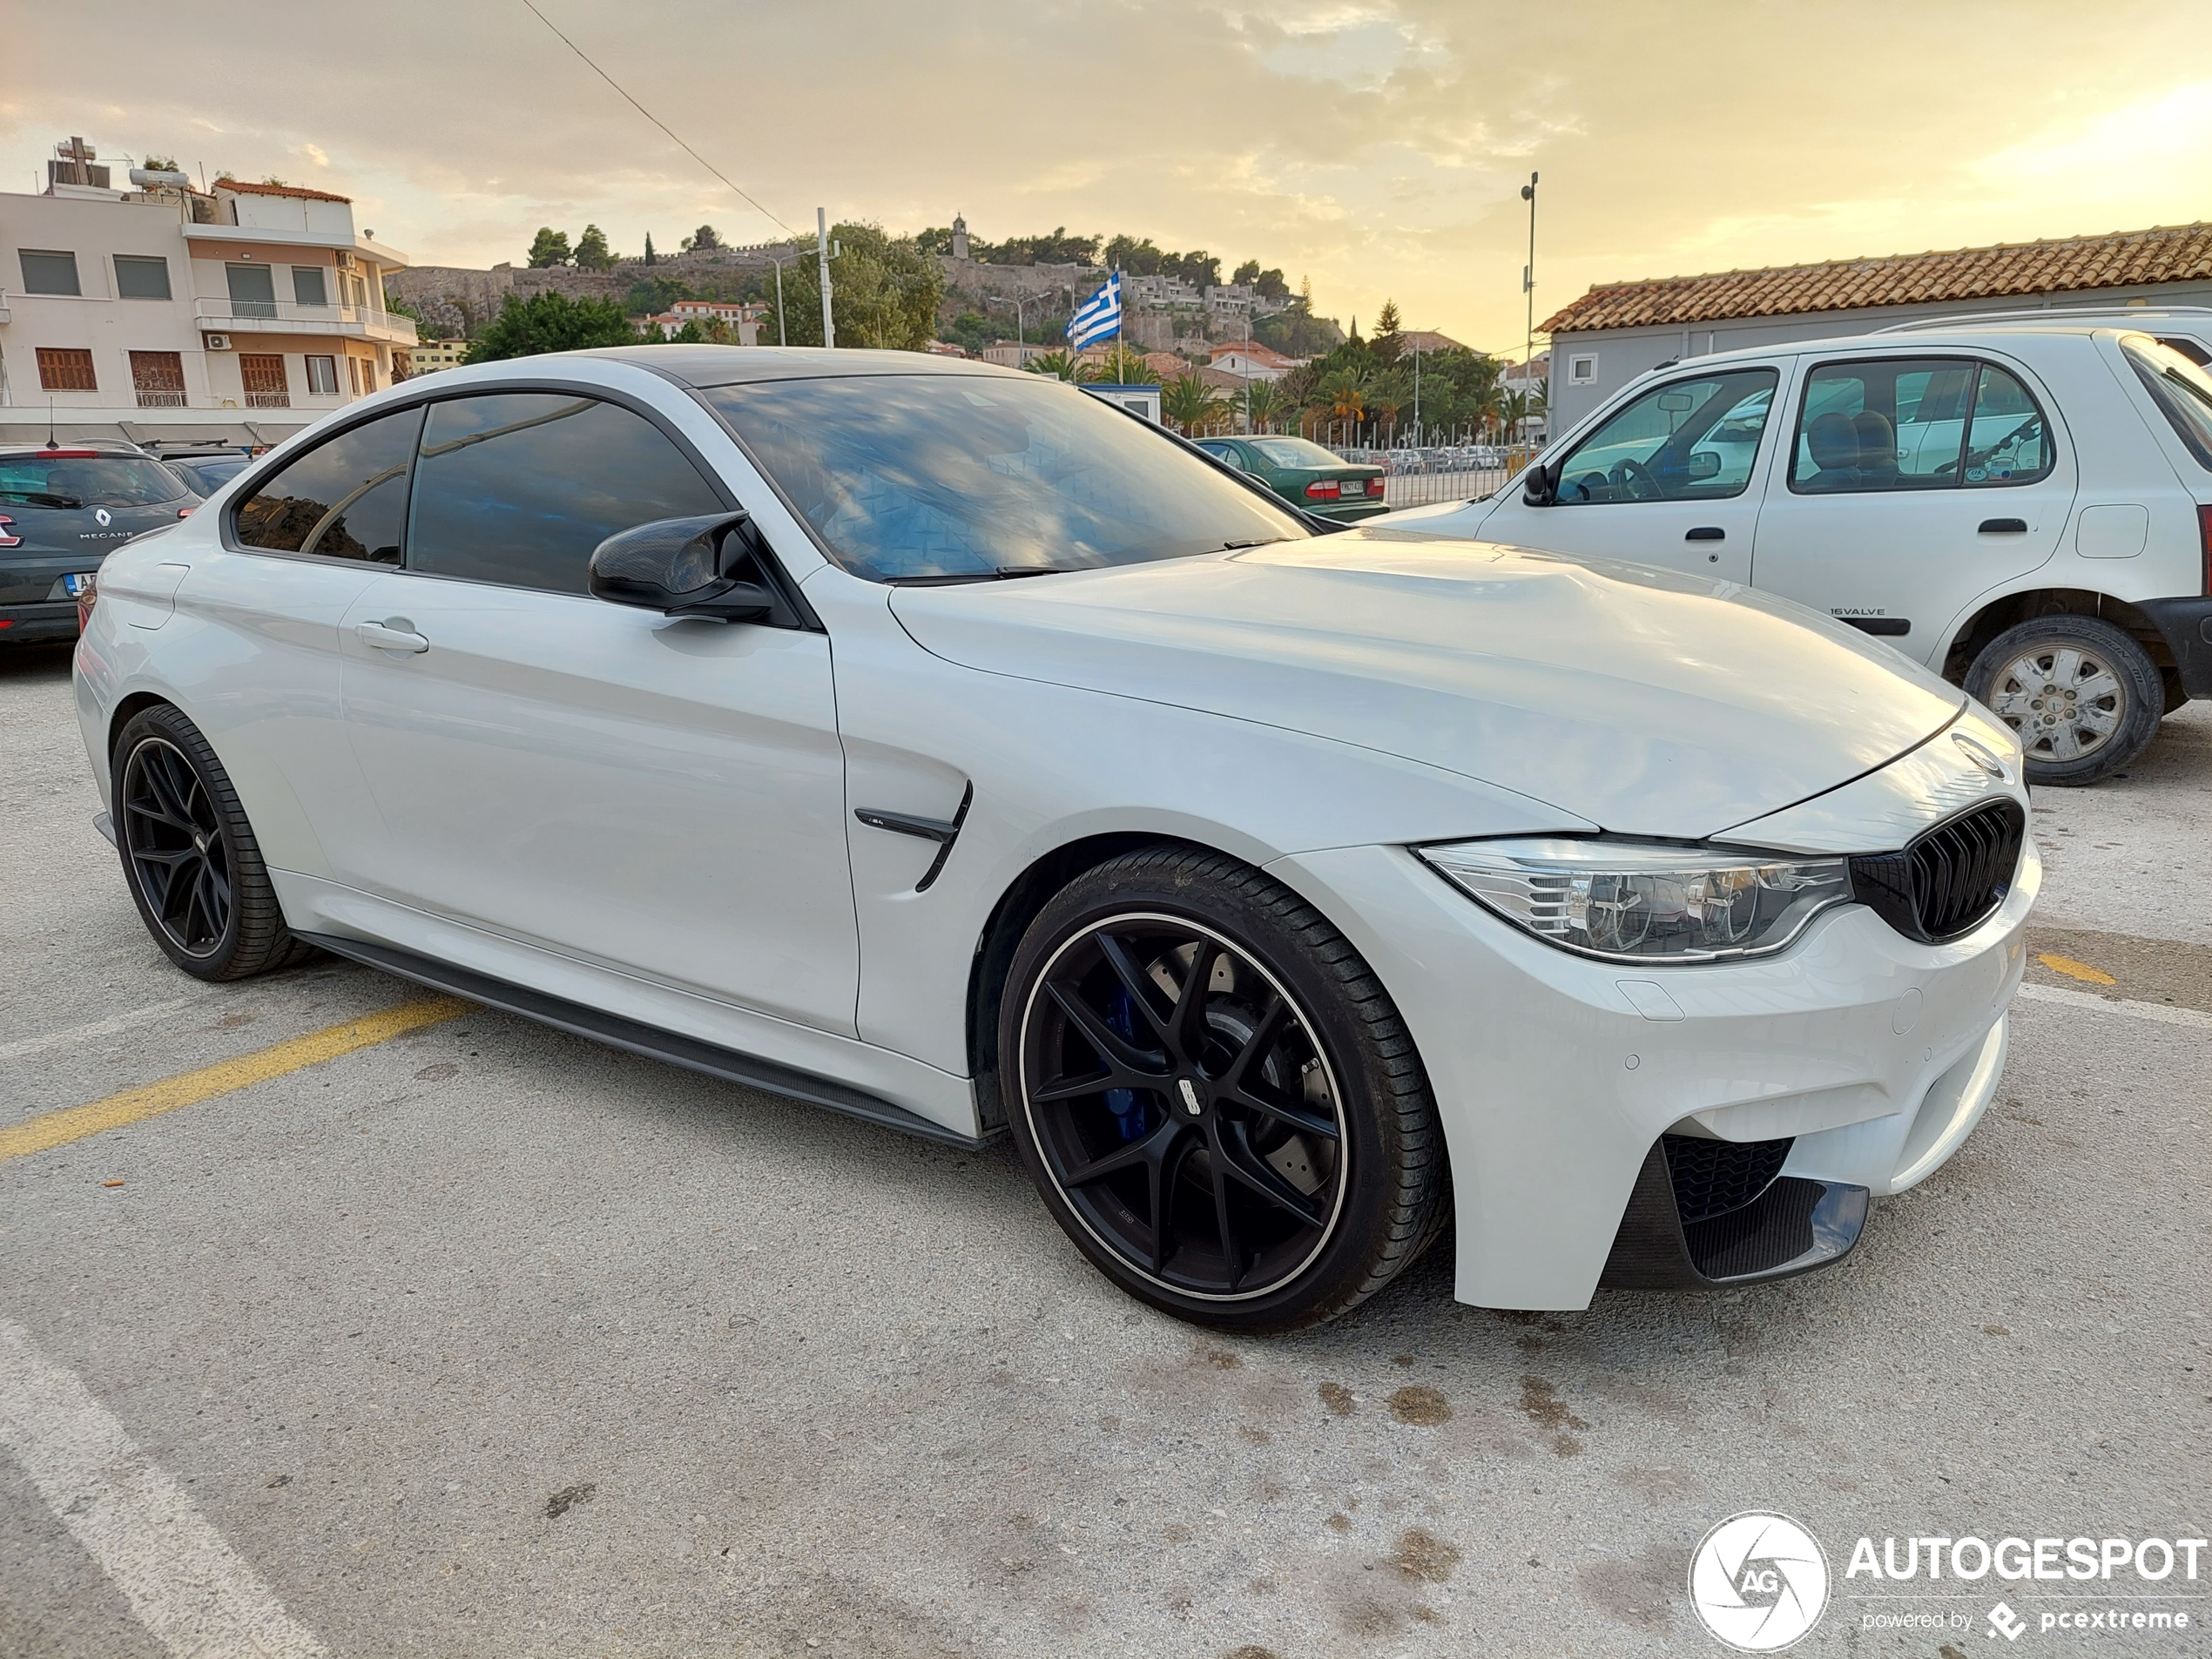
(779, 265)
(1528, 287)
(822, 253)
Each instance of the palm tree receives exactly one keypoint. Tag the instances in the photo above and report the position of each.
(1343, 395)
(1121, 366)
(1191, 404)
(1263, 403)
(1060, 364)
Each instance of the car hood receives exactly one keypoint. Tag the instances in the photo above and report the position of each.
(1641, 701)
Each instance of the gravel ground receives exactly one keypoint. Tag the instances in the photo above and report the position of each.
(489, 1341)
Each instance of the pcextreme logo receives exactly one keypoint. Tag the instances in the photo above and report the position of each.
(1759, 1581)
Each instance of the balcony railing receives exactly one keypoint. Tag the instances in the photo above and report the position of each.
(268, 400)
(257, 314)
(161, 400)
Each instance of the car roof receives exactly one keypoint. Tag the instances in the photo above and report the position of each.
(1962, 336)
(705, 365)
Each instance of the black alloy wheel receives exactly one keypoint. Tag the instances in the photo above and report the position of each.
(1214, 1095)
(190, 857)
(173, 838)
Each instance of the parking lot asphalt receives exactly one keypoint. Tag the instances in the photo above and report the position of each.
(480, 1339)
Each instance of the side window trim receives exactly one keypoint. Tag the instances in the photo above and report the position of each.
(1978, 366)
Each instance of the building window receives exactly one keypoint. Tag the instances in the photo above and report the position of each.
(48, 272)
(354, 374)
(307, 286)
(322, 377)
(266, 386)
(252, 290)
(65, 369)
(1581, 371)
(159, 378)
(139, 276)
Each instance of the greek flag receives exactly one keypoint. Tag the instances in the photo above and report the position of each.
(1098, 317)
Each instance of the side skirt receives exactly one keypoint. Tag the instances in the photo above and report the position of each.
(619, 1033)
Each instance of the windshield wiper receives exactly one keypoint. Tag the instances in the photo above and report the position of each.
(39, 498)
(1004, 573)
(1257, 540)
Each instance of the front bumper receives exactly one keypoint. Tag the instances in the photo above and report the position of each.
(2187, 625)
(1874, 1055)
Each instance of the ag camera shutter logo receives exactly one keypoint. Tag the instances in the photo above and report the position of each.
(1759, 1581)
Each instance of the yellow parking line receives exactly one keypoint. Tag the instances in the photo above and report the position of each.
(2073, 969)
(43, 1133)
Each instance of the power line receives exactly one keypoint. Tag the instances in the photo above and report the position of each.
(655, 119)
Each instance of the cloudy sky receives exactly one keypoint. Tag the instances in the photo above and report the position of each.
(1377, 147)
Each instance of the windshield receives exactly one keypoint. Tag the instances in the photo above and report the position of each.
(87, 480)
(2182, 390)
(208, 477)
(906, 477)
(1295, 452)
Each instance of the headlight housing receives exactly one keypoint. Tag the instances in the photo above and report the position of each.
(1626, 901)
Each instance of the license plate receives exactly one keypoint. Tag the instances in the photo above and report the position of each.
(1353, 487)
(77, 586)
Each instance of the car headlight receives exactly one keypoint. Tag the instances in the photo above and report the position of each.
(1638, 902)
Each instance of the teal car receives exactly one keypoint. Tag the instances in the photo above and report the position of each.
(1304, 474)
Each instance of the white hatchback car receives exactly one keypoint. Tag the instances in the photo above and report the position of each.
(2023, 505)
(1286, 894)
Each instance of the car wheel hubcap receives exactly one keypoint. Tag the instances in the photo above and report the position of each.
(1183, 1107)
(2065, 703)
(176, 846)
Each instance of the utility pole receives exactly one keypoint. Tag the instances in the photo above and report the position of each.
(822, 253)
(1528, 287)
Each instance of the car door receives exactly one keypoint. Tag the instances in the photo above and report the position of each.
(255, 631)
(1913, 484)
(1667, 479)
(663, 797)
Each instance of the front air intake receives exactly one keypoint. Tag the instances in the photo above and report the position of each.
(1949, 881)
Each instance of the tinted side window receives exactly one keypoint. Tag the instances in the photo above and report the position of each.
(346, 499)
(520, 487)
(1691, 440)
(1916, 423)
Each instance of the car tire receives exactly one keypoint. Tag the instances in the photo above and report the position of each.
(2082, 695)
(1266, 1158)
(189, 856)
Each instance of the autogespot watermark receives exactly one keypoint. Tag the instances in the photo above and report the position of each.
(1760, 1583)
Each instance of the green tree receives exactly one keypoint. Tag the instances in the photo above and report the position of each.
(1057, 365)
(1262, 403)
(971, 331)
(702, 241)
(649, 255)
(1137, 258)
(592, 251)
(1387, 342)
(1270, 286)
(161, 164)
(1248, 272)
(1121, 365)
(883, 289)
(648, 294)
(549, 248)
(550, 322)
(1191, 405)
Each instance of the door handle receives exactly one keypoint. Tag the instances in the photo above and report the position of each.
(2004, 526)
(1706, 533)
(385, 638)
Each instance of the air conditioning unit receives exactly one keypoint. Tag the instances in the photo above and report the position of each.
(216, 342)
(346, 261)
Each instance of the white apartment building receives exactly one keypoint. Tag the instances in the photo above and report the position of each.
(238, 312)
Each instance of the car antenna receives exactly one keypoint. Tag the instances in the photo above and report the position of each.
(50, 444)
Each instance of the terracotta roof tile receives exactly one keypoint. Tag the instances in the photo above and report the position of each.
(301, 191)
(2174, 254)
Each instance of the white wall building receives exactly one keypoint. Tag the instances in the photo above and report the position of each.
(241, 312)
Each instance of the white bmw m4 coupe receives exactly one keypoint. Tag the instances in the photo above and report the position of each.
(943, 745)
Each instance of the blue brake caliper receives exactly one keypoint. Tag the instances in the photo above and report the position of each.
(1125, 1104)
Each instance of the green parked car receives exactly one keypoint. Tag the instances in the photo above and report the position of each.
(1304, 473)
